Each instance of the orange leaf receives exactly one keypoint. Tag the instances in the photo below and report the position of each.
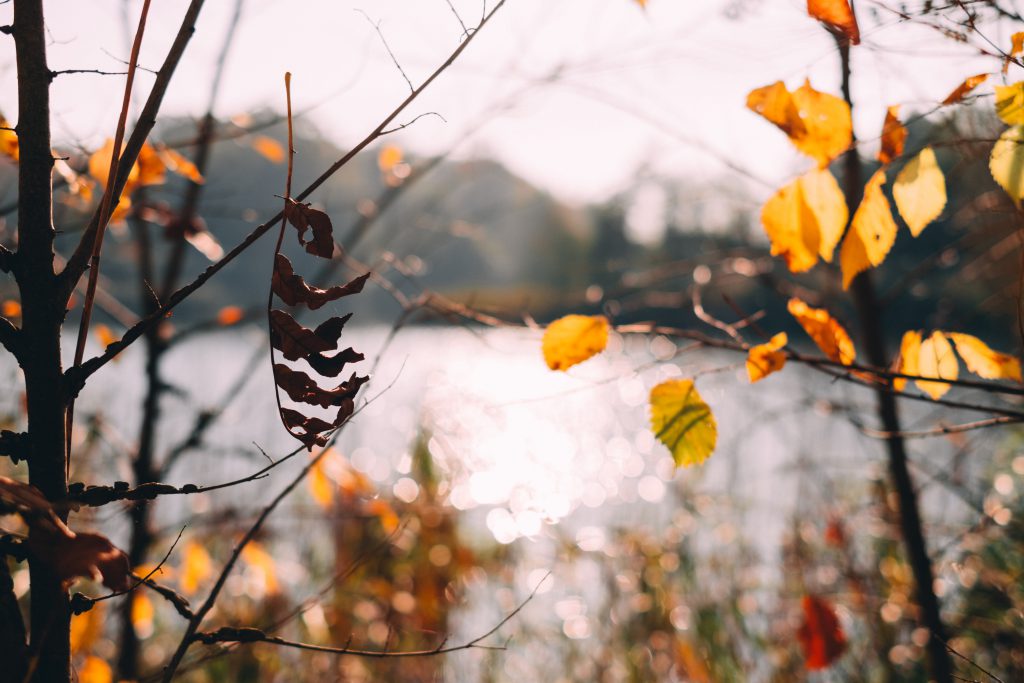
(764, 359)
(818, 124)
(95, 670)
(229, 315)
(180, 165)
(894, 135)
(8, 140)
(984, 361)
(86, 629)
(11, 309)
(838, 15)
(105, 335)
(967, 86)
(573, 339)
(270, 148)
(828, 334)
(196, 567)
(388, 157)
(321, 488)
(821, 635)
(258, 558)
(872, 232)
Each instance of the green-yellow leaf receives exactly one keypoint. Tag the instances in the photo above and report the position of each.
(1010, 103)
(984, 361)
(1007, 162)
(805, 220)
(573, 339)
(920, 191)
(936, 359)
(681, 420)
(872, 232)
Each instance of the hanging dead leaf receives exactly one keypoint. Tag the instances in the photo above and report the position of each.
(303, 217)
(301, 388)
(872, 232)
(964, 88)
(682, 421)
(894, 136)
(837, 15)
(764, 359)
(907, 363)
(805, 220)
(820, 634)
(984, 361)
(936, 359)
(827, 333)
(573, 339)
(1006, 162)
(292, 289)
(920, 191)
(269, 148)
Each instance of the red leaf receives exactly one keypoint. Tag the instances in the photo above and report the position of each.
(293, 290)
(303, 217)
(820, 635)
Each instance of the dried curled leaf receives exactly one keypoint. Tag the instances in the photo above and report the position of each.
(907, 363)
(764, 359)
(302, 388)
(682, 421)
(292, 289)
(805, 220)
(894, 136)
(837, 15)
(304, 217)
(818, 124)
(573, 339)
(1006, 163)
(984, 361)
(872, 232)
(827, 333)
(920, 191)
(820, 634)
(936, 359)
(964, 88)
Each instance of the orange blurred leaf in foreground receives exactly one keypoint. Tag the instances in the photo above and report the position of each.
(11, 309)
(95, 670)
(196, 567)
(764, 359)
(821, 635)
(827, 333)
(573, 339)
(838, 15)
(229, 315)
(961, 91)
(894, 135)
(257, 557)
(389, 157)
(269, 148)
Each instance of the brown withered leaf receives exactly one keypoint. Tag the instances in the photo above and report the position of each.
(297, 342)
(302, 388)
(311, 430)
(304, 217)
(292, 289)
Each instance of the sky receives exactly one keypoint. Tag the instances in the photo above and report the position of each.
(580, 97)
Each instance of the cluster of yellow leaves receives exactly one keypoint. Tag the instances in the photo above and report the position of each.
(150, 168)
(805, 220)
(682, 421)
(934, 358)
(573, 339)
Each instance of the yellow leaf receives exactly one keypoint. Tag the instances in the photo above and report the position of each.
(907, 363)
(894, 135)
(256, 556)
(1007, 162)
(872, 232)
(837, 14)
(99, 166)
(8, 140)
(86, 629)
(764, 359)
(388, 157)
(270, 148)
(1010, 103)
(230, 315)
(196, 567)
(321, 488)
(984, 361)
(180, 165)
(95, 670)
(967, 86)
(681, 420)
(805, 220)
(818, 124)
(936, 359)
(152, 169)
(573, 339)
(142, 613)
(105, 335)
(826, 332)
(920, 191)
